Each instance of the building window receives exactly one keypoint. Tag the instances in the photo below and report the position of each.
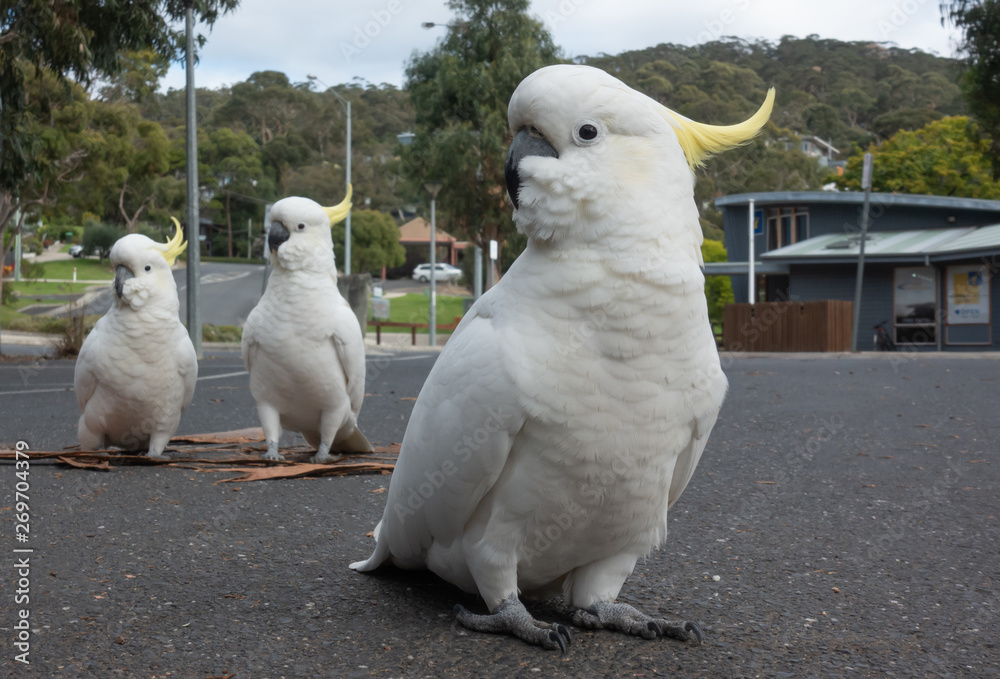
(786, 226)
(914, 305)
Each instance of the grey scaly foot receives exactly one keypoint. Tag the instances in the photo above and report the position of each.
(513, 618)
(625, 618)
(272, 452)
(153, 455)
(323, 455)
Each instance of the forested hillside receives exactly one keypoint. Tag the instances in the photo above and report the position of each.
(269, 137)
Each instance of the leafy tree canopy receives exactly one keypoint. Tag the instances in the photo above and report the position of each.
(374, 242)
(979, 21)
(460, 91)
(79, 39)
(945, 158)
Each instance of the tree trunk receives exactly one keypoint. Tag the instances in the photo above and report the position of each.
(7, 211)
(229, 225)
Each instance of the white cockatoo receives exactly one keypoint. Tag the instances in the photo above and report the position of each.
(137, 368)
(302, 343)
(568, 410)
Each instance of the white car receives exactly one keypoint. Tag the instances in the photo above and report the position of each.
(442, 272)
(76, 250)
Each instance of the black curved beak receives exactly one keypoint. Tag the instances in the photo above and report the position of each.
(527, 142)
(122, 274)
(277, 235)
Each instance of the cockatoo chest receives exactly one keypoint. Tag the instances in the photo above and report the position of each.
(294, 332)
(614, 378)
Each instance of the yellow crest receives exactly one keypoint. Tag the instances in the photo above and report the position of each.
(339, 212)
(173, 247)
(699, 140)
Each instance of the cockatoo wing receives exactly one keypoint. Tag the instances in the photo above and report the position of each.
(85, 375)
(350, 346)
(461, 431)
(248, 343)
(187, 365)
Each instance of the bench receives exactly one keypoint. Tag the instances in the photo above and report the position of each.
(379, 324)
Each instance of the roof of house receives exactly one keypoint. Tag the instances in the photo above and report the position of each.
(419, 230)
(856, 198)
(893, 245)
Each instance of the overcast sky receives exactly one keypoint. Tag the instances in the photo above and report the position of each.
(372, 39)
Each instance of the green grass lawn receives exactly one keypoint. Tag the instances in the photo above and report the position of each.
(415, 308)
(86, 269)
(232, 260)
(12, 319)
(22, 302)
(27, 288)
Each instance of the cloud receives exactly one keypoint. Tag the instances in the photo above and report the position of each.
(373, 39)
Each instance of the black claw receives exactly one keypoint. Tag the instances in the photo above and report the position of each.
(556, 637)
(564, 632)
(693, 627)
(656, 629)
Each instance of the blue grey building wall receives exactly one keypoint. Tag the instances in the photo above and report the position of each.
(809, 282)
(825, 218)
(836, 281)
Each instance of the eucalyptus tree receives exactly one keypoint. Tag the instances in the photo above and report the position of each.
(460, 91)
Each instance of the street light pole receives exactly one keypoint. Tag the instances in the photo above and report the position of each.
(193, 219)
(347, 187)
(433, 187)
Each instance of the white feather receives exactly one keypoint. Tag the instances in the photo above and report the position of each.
(137, 369)
(302, 343)
(595, 348)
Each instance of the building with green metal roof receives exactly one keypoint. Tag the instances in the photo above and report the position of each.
(931, 262)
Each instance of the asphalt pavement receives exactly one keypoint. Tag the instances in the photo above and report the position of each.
(842, 523)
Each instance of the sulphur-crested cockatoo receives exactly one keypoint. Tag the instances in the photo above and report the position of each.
(137, 368)
(302, 343)
(568, 411)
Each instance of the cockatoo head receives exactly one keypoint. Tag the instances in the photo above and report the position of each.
(142, 270)
(300, 237)
(593, 157)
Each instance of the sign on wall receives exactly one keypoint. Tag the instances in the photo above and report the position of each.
(968, 290)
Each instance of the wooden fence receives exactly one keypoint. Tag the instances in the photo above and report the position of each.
(823, 325)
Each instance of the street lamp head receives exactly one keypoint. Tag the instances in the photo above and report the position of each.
(429, 24)
(433, 187)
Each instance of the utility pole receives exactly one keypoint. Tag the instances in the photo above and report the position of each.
(433, 187)
(477, 273)
(193, 219)
(752, 275)
(866, 184)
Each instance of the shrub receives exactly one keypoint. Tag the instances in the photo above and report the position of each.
(98, 238)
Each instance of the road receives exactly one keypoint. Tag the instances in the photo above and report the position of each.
(229, 292)
(843, 523)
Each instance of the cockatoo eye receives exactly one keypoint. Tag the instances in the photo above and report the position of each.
(149, 268)
(588, 133)
(301, 227)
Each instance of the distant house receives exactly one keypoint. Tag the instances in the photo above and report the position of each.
(415, 237)
(930, 261)
(825, 153)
